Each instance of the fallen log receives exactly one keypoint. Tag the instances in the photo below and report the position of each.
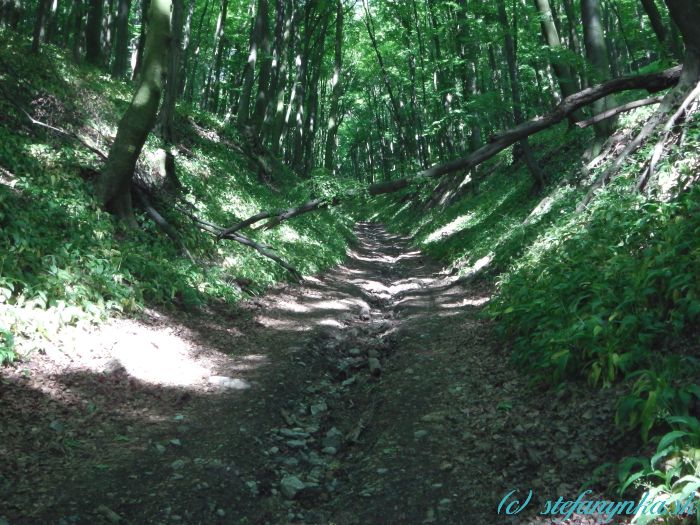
(652, 82)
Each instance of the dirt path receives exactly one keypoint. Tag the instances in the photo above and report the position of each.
(371, 394)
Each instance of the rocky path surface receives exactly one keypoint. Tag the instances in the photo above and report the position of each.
(372, 394)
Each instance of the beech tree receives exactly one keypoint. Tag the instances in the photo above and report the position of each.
(115, 183)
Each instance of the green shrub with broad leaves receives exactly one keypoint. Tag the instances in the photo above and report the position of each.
(610, 295)
(672, 474)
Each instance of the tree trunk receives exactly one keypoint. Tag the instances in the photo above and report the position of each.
(77, 30)
(114, 185)
(220, 39)
(137, 62)
(597, 54)
(511, 50)
(93, 33)
(42, 9)
(261, 102)
(305, 162)
(395, 105)
(337, 88)
(551, 36)
(121, 48)
(657, 23)
(193, 51)
(166, 119)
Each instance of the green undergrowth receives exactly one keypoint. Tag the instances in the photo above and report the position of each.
(64, 261)
(608, 295)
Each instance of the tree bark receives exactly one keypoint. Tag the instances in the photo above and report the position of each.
(261, 101)
(121, 48)
(77, 30)
(114, 185)
(337, 88)
(510, 45)
(657, 23)
(93, 33)
(166, 118)
(284, 34)
(42, 9)
(220, 38)
(256, 31)
(596, 52)
(551, 36)
(145, 7)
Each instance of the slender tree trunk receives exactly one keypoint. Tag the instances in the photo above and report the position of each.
(336, 90)
(310, 123)
(511, 57)
(219, 57)
(657, 23)
(685, 14)
(261, 101)
(574, 42)
(108, 29)
(145, 7)
(469, 76)
(121, 48)
(395, 105)
(193, 51)
(597, 54)
(93, 33)
(114, 185)
(77, 30)
(249, 73)
(278, 67)
(42, 9)
(166, 118)
(551, 36)
(52, 20)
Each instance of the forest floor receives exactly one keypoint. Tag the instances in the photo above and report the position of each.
(372, 394)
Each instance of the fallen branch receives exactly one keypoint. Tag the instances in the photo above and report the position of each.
(652, 82)
(263, 250)
(277, 217)
(670, 103)
(59, 131)
(220, 233)
(620, 109)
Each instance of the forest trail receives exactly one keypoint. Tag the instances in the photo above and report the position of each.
(371, 394)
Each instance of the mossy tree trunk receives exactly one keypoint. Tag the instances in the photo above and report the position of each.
(114, 185)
